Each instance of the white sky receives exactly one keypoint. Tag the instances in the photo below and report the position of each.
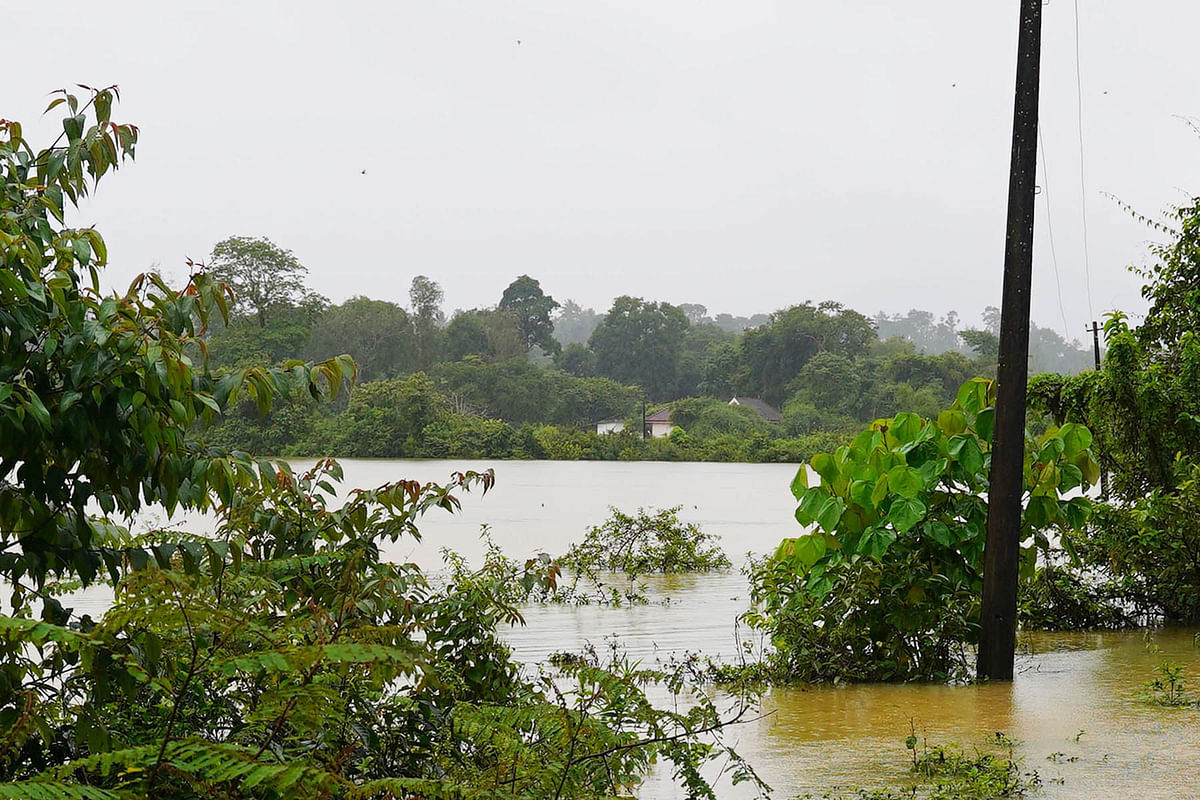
(745, 155)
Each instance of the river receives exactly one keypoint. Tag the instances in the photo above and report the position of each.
(1073, 706)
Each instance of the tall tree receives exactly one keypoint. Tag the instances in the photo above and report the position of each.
(640, 342)
(532, 307)
(426, 297)
(378, 335)
(574, 323)
(262, 275)
(775, 352)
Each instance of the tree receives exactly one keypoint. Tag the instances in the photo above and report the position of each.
(639, 342)
(574, 324)
(774, 353)
(100, 396)
(378, 335)
(527, 302)
(575, 359)
(426, 298)
(262, 275)
(466, 336)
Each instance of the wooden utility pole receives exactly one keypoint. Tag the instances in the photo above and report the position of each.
(1002, 553)
(1095, 329)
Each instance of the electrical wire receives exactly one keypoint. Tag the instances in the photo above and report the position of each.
(1050, 231)
(1087, 267)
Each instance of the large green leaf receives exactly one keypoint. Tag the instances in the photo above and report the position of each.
(965, 450)
(800, 482)
(829, 513)
(905, 512)
(1075, 438)
(875, 542)
(952, 422)
(810, 505)
(905, 481)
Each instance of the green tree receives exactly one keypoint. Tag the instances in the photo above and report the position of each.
(532, 307)
(886, 584)
(378, 335)
(639, 342)
(775, 353)
(262, 275)
(576, 359)
(100, 396)
(426, 298)
(466, 336)
(574, 324)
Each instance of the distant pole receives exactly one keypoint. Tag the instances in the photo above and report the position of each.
(1096, 342)
(1001, 558)
(1096, 350)
(643, 419)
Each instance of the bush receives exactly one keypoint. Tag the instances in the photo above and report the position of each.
(637, 545)
(886, 585)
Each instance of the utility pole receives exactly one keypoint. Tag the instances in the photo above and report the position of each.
(1095, 329)
(1001, 558)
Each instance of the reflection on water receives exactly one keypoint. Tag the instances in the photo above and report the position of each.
(815, 738)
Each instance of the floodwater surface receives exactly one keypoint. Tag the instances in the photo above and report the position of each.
(1074, 706)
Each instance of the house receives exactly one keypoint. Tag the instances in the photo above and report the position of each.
(610, 426)
(764, 410)
(658, 424)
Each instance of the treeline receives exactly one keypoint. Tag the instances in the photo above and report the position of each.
(530, 377)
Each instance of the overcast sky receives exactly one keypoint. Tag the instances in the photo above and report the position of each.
(745, 155)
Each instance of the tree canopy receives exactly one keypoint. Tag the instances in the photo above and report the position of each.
(262, 275)
(531, 307)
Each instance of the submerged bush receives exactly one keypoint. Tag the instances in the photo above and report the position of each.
(886, 585)
(945, 772)
(647, 542)
(633, 546)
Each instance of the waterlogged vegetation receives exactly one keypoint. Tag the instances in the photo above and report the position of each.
(629, 547)
(946, 772)
(887, 584)
(284, 654)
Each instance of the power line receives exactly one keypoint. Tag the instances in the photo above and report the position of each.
(1050, 231)
(1087, 267)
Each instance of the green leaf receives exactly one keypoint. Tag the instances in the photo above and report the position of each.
(875, 542)
(12, 284)
(905, 512)
(940, 532)
(808, 550)
(860, 493)
(905, 481)
(985, 423)
(965, 450)
(952, 421)
(1078, 510)
(972, 395)
(800, 482)
(1041, 511)
(1075, 438)
(810, 505)
(830, 512)
(824, 465)
(37, 409)
(906, 427)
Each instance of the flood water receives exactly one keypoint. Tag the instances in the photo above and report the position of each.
(1074, 704)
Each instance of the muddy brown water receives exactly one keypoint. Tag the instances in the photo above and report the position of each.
(1074, 706)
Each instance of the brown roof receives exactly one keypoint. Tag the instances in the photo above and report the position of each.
(767, 412)
(662, 415)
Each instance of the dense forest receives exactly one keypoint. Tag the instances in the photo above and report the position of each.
(530, 377)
